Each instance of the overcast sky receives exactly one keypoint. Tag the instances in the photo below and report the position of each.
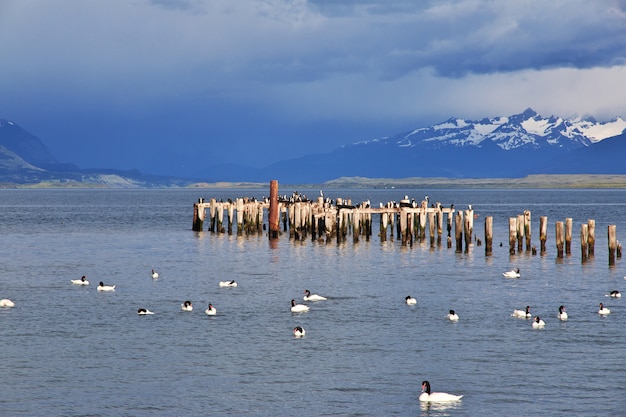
(165, 86)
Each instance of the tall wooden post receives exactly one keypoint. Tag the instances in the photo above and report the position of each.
(458, 231)
(527, 229)
(488, 235)
(198, 216)
(568, 236)
(584, 235)
(520, 233)
(512, 234)
(612, 244)
(559, 236)
(591, 240)
(543, 233)
(274, 215)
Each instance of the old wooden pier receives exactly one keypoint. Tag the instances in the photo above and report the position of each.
(334, 220)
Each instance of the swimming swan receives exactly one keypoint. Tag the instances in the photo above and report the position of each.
(5, 302)
(562, 313)
(211, 311)
(103, 287)
(144, 311)
(312, 297)
(512, 274)
(298, 308)
(538, 323)
(603, 310)
(228, 283)
(523, 314)
(299, 331)
(81, 281)
(452, 316)
(615, 294)
(186, 306)
(410, 300)
(155, 274)
(436, 397)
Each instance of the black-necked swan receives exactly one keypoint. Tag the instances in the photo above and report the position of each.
(410, 300)
(538, 323)
(436, 397)
(81, 281)
(312, 297)
(5, 302)
(299, 331)
(155, 274)
(144, 311)
(603, 310)
(562, 313)
(512, 274)
(186, 306)
(615, 294)
(523, 314)
(228, 283)
(102, 287)
(298, 308)
(211, 311)
(452, 316)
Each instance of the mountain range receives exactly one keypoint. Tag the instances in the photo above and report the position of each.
(502, 147)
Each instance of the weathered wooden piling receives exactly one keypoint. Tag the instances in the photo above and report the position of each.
(439, 223)
(612, 237)
(520, 233)
(568, 236)
(198, 216)
(559, 236)
(527, 229)
(432, 226)
(458, 231)
(584, 236)
(543, 234)
(274, 218)
(468, 226)
(591, 240)
(488, 235)
(512, 234)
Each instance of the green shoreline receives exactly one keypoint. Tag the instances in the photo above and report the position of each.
(532, 181)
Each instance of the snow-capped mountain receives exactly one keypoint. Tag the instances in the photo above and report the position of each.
(500, 147)
(527, 130)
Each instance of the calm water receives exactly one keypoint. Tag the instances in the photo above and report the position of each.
(69, 350)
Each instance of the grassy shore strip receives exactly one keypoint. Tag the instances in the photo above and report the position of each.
(532, 181)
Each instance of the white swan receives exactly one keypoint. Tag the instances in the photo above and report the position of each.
(102, 287)
(5, 302)
(410, 300)
(298, 308)
(512, 274)
(603, 310)
(186, 306)
(436, 397)
(155, 274)
(228, 283)
(211, 311)
(81, 281)
(538, 323)
(523, 314)
(452, 316)
(615, 294)
(299, 331)
(312, 297)
(144, 311)
(562, 313)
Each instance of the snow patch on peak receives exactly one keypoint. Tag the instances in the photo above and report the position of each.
(598, 131)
